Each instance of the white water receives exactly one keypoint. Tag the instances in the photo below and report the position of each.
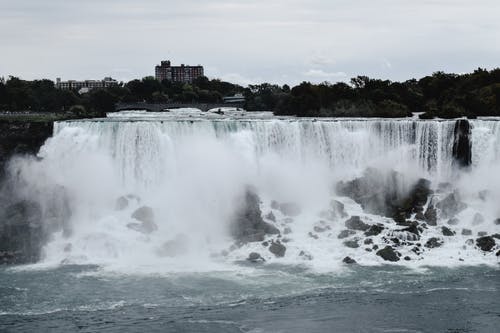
(192, 169)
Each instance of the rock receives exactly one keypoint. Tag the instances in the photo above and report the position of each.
(289, 209)
(121, 203)
(420, 216)
(466, 232)
(248, 225)
(310, 234)
(430, 216)
(447, 231)
(469, 242)
(255, 257)
(374, 230)
(412, 228)
(497, 236)
(353, 244)
(305, 255)
(348, 260)
(319, 229)
(478, 219)
(496, 222)
(375, 247)
(482, 233)
(175, 247)
(433, 242)
(388, 254)
(270, 216)
(368, 241)
(451, 205)
(453, 221)
(407, 258)
(462, 144)
(346, 233)
(380, 193)
(485, 243)
(145, 215)
(266, 243)
(355, 223)
(277, 249)
(287, 230)
(338, 209)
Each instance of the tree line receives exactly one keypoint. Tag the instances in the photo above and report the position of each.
(444, 95)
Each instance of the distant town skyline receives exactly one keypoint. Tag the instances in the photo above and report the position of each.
(277, 41)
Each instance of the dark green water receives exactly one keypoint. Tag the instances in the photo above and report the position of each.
(270, 299)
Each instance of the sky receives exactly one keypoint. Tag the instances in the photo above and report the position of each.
(248, 42)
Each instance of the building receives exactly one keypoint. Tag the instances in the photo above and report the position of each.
(182, 73)
(87, 84)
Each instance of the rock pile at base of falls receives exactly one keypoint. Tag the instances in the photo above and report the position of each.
(383, 194)
(248, 225)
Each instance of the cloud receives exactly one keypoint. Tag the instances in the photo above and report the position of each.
(249, 40)
(320, 74)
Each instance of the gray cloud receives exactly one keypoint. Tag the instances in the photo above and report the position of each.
(248, 41)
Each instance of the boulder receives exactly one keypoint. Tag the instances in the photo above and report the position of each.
(289, 209)
(277, 249)
(453, 221)
(451, 205)
(353, 243)
(430, 216)
(270, 216)
(433, 242)
(348, 260)
(466, 232)
(482, 233)
(374, 230)
(255, 257)
(355, 223)
(346, 233)
(447, 231)
(145, 215)
(338, 209)
(388, 254)
(121, 203)
(248, 225)
(485, 243)
(368, 241)
(497, 221)
(175, 247)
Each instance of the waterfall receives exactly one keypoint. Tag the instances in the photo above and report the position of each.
(191, 172)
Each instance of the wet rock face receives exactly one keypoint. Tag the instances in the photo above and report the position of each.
(462, 151)
(447, 231)
(277, 249)
(145, 216)
(348, 260)
(433, 243)
(21, 233)
(255, 257)
(346, 233)
(374, 230)
(248, 225)
(355, 223)
(381, 194)
(451, 205)
(485, 243)
(430, 216)
(388, 254)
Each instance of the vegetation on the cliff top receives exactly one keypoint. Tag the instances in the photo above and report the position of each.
(438, 95)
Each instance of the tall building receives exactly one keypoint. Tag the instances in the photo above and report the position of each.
(88, 84)
(182, 73)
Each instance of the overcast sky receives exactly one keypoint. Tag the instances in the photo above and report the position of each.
(248, 41)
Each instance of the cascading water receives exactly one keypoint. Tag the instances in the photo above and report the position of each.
(192, 170)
